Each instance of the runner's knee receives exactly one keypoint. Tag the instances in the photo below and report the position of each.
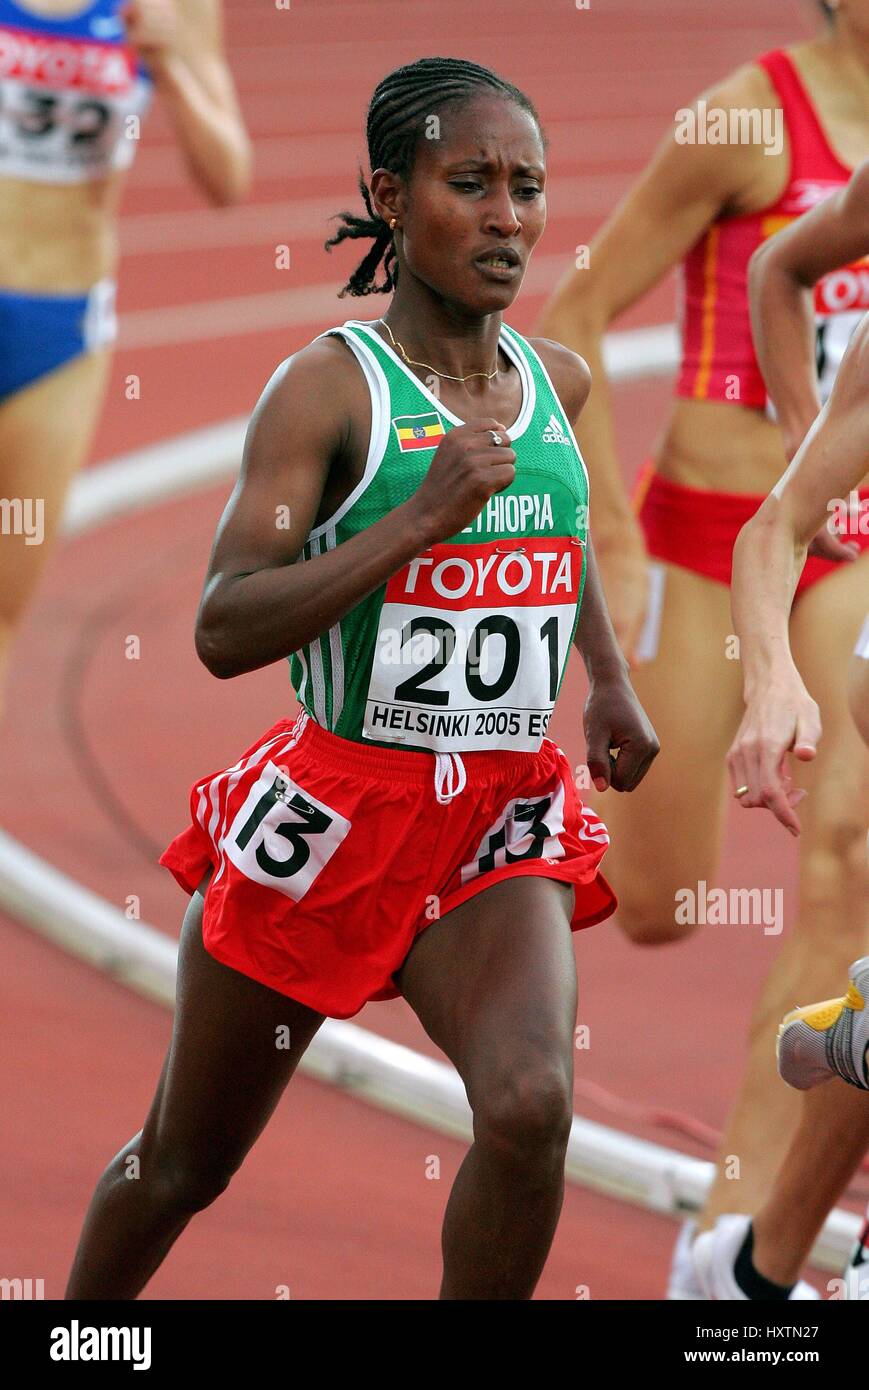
(834, 864)
(526, 1110)
(651, 916)
(187, 1182)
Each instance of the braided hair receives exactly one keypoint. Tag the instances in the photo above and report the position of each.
(399, 108)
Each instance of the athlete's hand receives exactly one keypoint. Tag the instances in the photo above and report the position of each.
(152, 29)
(467, 468)
(614, 719)
(826, 545)
(624, 572)
(782, 719)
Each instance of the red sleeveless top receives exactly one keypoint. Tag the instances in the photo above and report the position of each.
(718, 359)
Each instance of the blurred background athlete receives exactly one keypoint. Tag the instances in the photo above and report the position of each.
(709, 206)
(75, 78)
(762, 1258)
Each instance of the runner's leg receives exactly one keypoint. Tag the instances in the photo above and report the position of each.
(831, 927)
(494, 985)
(222, 1078)
(45, 434)
(818, 1167)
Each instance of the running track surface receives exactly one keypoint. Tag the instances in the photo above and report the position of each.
(334, 1201)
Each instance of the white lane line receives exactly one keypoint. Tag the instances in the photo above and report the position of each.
(336, 153)
(230, 318)
(294, 221)
(145, 477)
(635, 353)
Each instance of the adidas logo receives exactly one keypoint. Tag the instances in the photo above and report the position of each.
(553, 433)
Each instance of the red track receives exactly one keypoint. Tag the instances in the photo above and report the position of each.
(334, 1201)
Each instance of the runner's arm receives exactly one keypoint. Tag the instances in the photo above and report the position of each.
(782, 274)
(182, 44)
(683, 190)
(259, 603)
(771, 548)
(613, 716)
(781, 718)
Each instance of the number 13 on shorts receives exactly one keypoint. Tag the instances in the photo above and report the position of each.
(282, 837)
(472, 643)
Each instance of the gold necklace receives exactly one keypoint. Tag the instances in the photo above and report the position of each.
(410, 362)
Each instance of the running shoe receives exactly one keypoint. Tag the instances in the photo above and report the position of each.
(828, 1039)
(714, 1257)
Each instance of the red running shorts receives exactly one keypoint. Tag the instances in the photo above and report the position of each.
(697, 529)
(331, 856)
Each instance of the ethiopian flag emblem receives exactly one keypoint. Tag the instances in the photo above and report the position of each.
(418, 431)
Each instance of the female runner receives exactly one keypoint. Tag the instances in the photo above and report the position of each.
(710, 205)
(761, 1258)
(75, 79)
(412, 832)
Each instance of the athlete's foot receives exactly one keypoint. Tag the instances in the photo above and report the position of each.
(724, 1270)
(828, 1039)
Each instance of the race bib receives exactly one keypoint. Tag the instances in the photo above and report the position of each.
(472, 643)
(63, 104)
(282, 837)
(526, 829)
(832, 336)
(841, 300)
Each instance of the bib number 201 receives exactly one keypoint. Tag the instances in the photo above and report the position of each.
(414, 689)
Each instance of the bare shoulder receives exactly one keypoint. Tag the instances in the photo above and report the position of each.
(750, 167)
(325, 367)
(318, 393)
(569, 372)
(748, 86)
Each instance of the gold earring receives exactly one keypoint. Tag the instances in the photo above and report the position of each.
(392, 222)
